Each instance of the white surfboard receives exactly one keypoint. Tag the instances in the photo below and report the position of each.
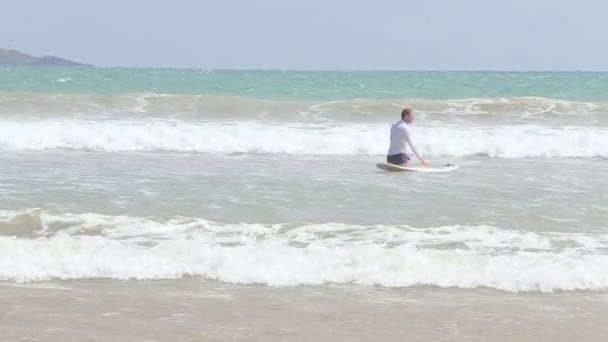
(392, 167)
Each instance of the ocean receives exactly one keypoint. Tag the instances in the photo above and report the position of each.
(215, 202)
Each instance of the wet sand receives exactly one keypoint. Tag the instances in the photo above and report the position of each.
(197, 310)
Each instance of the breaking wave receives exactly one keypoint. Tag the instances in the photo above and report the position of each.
(505, 141)
(37, 245)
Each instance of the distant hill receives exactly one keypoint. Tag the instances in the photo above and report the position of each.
(14, 57)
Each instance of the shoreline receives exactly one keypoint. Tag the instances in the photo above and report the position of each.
(192, 309)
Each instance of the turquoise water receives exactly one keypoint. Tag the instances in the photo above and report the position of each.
(307, 85)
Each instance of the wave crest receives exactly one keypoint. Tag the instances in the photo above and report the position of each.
(78, 246)
(528, 109)
(515, 141)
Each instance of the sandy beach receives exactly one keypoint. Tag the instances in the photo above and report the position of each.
(195, 310)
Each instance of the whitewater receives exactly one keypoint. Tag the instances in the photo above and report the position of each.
(96, 246)
(435, 140)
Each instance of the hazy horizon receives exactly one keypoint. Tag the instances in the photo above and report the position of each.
(388, 35)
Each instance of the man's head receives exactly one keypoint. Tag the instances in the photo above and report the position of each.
(407, 115)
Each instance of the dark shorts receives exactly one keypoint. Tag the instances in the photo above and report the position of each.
(397, 159)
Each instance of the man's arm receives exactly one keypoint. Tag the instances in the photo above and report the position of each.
(413, 147)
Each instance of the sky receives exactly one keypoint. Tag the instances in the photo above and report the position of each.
(314, 34)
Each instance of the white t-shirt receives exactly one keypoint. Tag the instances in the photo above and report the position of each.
(400, 138)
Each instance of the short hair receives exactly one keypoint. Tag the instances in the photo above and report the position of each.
(405, 112)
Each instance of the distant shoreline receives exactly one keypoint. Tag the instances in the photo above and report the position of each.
(17, 58)
(10, 57)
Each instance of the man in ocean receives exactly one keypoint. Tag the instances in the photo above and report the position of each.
(400, 138)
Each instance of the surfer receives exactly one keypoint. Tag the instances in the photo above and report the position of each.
(400, 138)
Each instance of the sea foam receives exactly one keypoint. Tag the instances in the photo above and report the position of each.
(506, 141)
(81, 246)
